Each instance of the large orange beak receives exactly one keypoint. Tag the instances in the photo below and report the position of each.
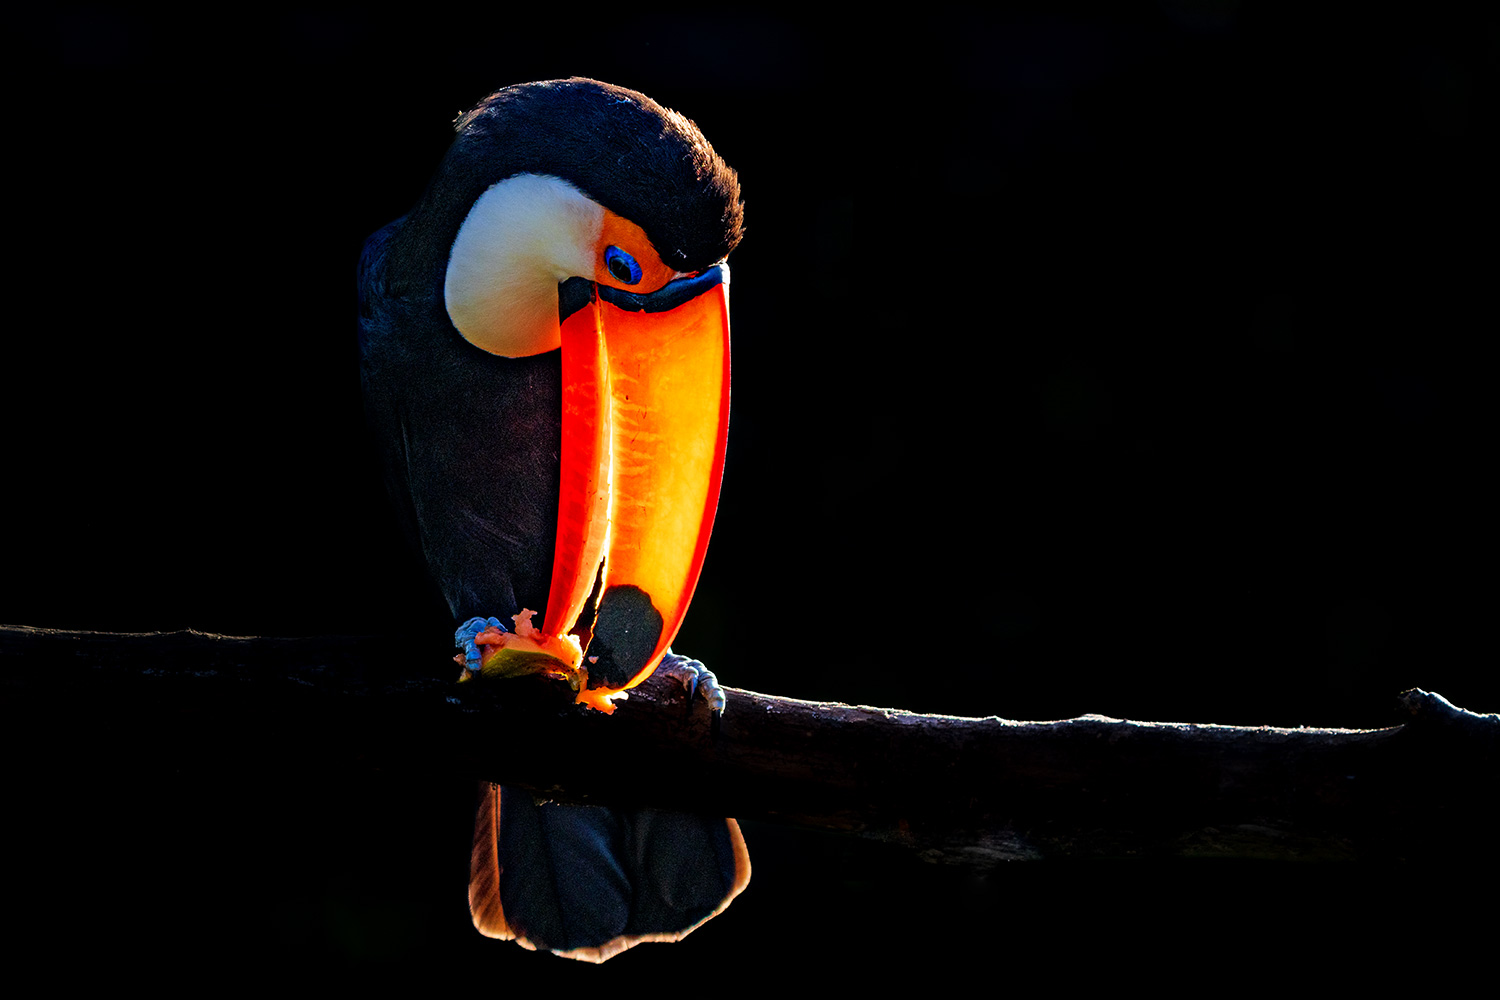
(645, 416)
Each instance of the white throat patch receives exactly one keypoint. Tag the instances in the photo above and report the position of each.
(523, 236)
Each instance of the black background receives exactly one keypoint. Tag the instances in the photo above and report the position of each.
(1127, 362)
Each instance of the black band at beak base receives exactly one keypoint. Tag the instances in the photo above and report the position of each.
(575, 293)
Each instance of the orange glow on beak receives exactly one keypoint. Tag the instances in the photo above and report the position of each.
(645, 419)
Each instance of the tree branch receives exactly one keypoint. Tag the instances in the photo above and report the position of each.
(974, 791)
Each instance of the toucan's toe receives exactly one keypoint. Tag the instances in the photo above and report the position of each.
(699, 680)
(463, 638)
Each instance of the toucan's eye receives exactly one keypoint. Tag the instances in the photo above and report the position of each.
(622, 265)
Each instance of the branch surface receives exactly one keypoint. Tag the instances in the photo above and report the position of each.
(964, 790)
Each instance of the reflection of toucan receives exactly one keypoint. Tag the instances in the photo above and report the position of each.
(580, 216)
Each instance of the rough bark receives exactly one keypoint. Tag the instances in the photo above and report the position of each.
(971, 791)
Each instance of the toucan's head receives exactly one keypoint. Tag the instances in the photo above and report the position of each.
(562, 179)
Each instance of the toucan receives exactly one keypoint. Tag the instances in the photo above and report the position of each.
(544, 345)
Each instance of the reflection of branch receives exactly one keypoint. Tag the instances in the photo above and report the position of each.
(967, 790)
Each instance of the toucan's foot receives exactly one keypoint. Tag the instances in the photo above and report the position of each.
(699, 680)
(492, 651)
(464, 640)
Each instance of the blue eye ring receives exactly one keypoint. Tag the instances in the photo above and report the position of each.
(622, 266)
